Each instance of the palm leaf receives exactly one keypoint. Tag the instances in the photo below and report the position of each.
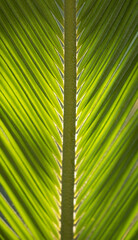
(103, 159)
(31, 115)
(106, 157)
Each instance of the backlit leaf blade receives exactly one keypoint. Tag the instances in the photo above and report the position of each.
(106, 157)
(31, 115)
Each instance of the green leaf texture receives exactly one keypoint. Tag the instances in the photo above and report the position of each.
(106, 158)
(31, 117)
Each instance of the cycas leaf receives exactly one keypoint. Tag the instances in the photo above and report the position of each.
(106, 156)
(31, 114)
(80, 55)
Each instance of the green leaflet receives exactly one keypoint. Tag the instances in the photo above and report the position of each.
(105, 190)
(31, 119)
(58, 57)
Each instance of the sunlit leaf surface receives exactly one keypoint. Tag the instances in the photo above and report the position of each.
(32, 93)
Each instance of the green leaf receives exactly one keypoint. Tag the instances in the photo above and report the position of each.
(67, 175)
(106, 157)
